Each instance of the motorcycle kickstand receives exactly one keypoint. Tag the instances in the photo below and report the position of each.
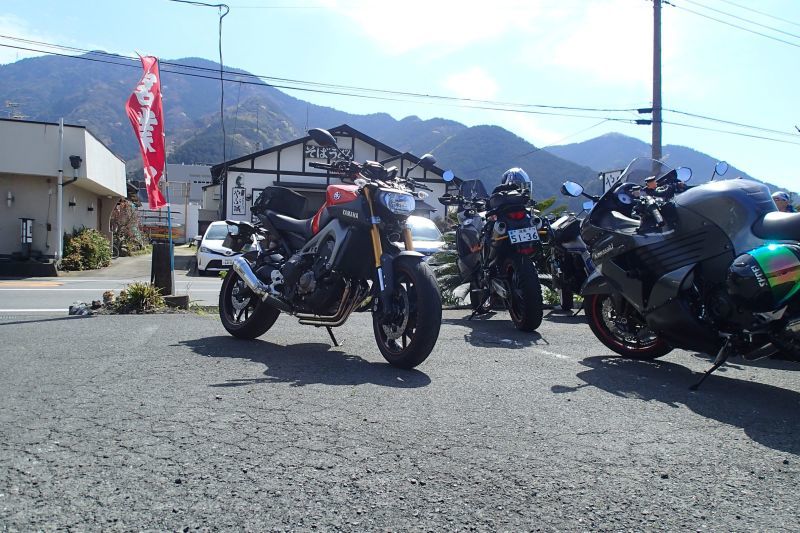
(333, 338)
(722, 356)
(476, 311)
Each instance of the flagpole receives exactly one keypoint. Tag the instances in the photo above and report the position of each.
(166, 186)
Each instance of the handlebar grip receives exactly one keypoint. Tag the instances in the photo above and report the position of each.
(652, 207)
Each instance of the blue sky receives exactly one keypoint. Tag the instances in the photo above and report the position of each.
(572, 53)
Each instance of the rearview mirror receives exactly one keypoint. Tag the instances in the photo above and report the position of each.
(570, 188)
(322, 137)
(683, 174)
(448, 176)
(721, 168)
(427, 161)
(588, 205)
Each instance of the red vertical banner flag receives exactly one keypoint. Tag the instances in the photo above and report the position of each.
(146, 114)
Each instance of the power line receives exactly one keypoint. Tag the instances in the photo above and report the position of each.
(742, 19)
(670, 3)
(760, 12)
(740, 134)
(704, 117)
(128, 63)
(270, 79)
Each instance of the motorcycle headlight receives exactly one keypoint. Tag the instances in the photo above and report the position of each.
(398, 203)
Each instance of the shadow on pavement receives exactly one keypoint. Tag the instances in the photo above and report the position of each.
(305, 364)
(488, 333)
(768, 415)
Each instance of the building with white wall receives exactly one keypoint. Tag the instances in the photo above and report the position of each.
(240, 181)
(29, 169)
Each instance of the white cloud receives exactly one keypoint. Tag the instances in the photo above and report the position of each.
(606, 41)
(441, 25)
(474, 83)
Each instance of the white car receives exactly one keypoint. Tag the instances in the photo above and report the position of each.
(425, 236)
(212, 256)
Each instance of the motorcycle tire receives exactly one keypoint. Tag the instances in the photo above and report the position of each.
(595, 305)
(407, 336)
(242, 313)
(525, 303)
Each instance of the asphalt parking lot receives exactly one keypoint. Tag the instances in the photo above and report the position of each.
(164, 422)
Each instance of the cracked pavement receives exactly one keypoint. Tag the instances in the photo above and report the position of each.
(164, 422)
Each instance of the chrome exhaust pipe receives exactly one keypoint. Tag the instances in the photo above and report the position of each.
(264, 291)
(242, 268)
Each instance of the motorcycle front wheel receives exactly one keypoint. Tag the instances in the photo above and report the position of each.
(525, 301)
(622, 330)
(407, 334)
(242, 312)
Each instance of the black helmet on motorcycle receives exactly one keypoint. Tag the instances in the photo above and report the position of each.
(518, 177)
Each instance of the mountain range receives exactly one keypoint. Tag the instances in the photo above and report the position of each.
(91, 90)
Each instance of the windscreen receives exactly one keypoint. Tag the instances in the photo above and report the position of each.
(473, 189)
(642, 168)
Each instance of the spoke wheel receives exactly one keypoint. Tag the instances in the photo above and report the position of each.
(407, 333)
(242, 312)
(624, 330)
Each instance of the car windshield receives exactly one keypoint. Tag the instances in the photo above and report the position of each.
(642, 168)
(217, 232)
(424, 230)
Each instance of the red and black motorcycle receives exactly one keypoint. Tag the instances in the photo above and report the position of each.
(341, 260)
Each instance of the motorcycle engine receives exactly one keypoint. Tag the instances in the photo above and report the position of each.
(316, 288)
(766, 278)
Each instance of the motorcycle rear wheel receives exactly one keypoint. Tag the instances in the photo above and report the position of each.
(612, 328)
(408, 334)
(525, 302)
(242, 312)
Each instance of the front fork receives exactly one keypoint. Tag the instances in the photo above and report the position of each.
(383, 262)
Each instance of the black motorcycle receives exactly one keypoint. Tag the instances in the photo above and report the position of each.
(341, 260)
(716, 269)
(568, 262)
(495, 239)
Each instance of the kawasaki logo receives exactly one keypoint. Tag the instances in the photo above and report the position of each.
(601, 253)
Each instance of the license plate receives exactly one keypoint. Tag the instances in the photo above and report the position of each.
(522, 235)
(227, 262)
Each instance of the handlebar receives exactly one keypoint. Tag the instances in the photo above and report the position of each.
(651, 206)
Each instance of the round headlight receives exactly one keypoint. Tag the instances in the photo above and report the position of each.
(398, 203)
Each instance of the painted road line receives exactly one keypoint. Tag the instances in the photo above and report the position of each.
(34, 311)
(20, 283)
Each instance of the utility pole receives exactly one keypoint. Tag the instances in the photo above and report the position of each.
(656, 145)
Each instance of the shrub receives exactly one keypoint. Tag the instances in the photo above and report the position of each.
(128, 237)
(139, 297)
(85, 249)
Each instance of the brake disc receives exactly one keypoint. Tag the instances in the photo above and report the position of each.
(395, 330)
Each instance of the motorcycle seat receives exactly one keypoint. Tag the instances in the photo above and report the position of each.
(778, 226)
(292, 225)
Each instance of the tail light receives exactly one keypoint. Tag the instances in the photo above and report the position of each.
(516, 215)
(528, 250)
